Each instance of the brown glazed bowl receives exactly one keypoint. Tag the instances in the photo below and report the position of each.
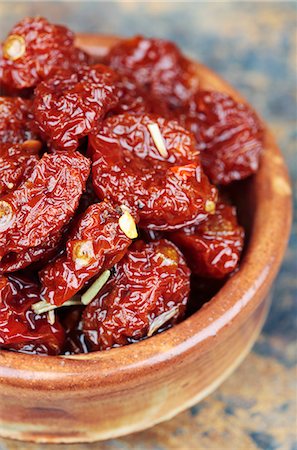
(97, 396)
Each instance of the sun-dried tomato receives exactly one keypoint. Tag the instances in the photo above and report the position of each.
(42, 254)
(69, 105)
(228, 134)
(17, 163)
(168, 190)
(134, 99)
(212, 248)
(156, 65)
(147, 294)
(96, 243)
(21, 328)
(43, 204)
(33, 49)
(16, 120)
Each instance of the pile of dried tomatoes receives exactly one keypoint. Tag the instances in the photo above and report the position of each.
(113, 225)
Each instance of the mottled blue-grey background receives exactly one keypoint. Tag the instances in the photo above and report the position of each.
(252, 45)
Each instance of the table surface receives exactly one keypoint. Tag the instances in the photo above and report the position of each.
(252, 45)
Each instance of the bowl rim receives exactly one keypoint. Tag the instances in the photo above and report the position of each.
(235, 301)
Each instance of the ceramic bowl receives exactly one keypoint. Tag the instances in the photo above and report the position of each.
(103, 395)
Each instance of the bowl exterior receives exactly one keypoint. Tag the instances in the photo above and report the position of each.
(84, 416)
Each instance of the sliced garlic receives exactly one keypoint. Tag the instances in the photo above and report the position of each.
(14, 47)
(93, 290)
(158, 139)
(6, 215)
(161, 320)
(83, 253)
(125, 208)
(128, 226)
(210, 207)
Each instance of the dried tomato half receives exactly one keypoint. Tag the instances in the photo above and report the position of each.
(33, 49)
(14, 261)
(212, 248)
(17, 162)
(21, 328)
(96, 243)
(134, 99)
(68, 105)
(229, 135)
(157, 66)
(16, 120)
(44, 203)
(152, 166)
(147, 294)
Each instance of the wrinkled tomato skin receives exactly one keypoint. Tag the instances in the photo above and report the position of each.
(20, 328)
(134, 99)
(14, 261)
(155, 65)
(167, 192)
(16, 165)
(212, 249)
(48, 47)
(16, 120)
(44, 203)
(69, 105)
(229, 135)
(103, 243)
(151, 279)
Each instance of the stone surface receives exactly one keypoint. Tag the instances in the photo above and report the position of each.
(252, 45)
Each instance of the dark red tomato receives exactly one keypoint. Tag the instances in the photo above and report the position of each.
(95, 244)
(14, 261)
(147, 294)
(229, 135)
(165, 186)
(156, 65)
(134, 99)
(17, 162)
(20, 328)
(33, 49)
(212, 248)
(44, 203)
(69, 105)
(16, 120)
